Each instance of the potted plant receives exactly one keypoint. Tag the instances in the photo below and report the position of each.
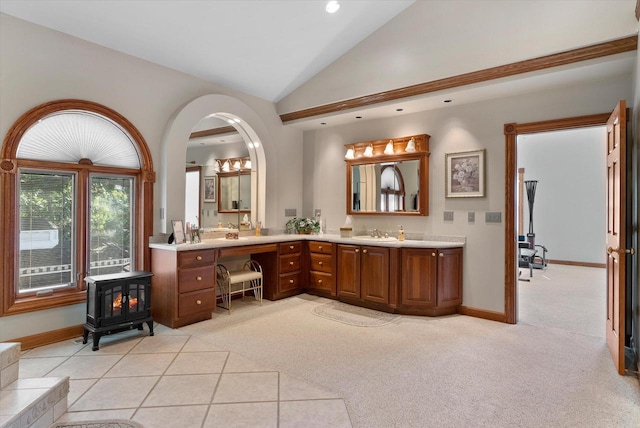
(303, 225)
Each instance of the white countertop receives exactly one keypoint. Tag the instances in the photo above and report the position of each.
(437, 242)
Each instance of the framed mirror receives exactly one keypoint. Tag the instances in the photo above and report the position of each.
(234, 192)
(388, 177)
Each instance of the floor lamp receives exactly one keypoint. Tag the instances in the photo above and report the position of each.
(531, 196)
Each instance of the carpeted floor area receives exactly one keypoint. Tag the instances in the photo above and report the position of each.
(442, 372)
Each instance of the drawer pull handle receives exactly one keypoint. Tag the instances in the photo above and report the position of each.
(291, 281)
(320, 263)
(198, 278)
(433, 254)
(320, 247)
(291, 247)
(290, 263)
(364, 251)
(357, 250)
(199, 302)
(441, 255)
(319, 281)
(199, 258)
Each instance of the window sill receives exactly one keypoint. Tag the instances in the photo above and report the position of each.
(32, 304)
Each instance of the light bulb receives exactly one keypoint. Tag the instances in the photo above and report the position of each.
(389, 149)
(411, 146)
(368, 152)
(350, 154)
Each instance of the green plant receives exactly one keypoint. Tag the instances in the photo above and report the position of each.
(303, 224)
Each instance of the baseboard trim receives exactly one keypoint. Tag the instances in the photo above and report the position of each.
(482, 313)
(570, 263)
(49, 337)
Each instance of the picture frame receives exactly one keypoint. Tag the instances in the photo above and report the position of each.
(179, 236)
(210, 188)
(465, 174)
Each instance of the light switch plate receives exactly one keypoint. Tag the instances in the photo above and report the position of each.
(448, 216)
(471, 216)
(493, 217)
(318, 212)
(290, 212)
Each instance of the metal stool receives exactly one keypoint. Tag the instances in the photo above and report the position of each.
(249, 278)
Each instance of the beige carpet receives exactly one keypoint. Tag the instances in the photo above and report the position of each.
(454, 371)
(353, 315)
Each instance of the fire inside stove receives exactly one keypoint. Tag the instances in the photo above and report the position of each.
(117, 302)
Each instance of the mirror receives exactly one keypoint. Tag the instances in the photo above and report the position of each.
(214, 140)
(234, 192)
(383, 178)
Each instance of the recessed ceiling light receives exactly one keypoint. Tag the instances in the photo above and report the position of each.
(399, 109)
(447, 101)
(332, 6)
(221, 140)
(358, 117)
(323, 123)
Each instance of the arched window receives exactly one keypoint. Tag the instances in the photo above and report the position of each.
(391, 189)
(77, 195)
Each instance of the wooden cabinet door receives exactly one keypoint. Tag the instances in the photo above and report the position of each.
(349, 271)
(449, 277)
(374, 274)
(419, 276)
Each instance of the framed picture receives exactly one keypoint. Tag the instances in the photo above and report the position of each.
(178, 231)
(210, 189)
(465, 174)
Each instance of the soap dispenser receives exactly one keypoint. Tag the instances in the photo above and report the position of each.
(401, 234)
(258, 226)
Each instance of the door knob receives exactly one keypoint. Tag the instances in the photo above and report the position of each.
(621, 251)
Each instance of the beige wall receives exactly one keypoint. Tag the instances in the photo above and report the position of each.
(39, 65)
(452, 129)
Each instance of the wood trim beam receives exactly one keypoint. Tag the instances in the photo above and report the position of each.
(613, 47)
(212, 132)
(571, 263)
(482, 313)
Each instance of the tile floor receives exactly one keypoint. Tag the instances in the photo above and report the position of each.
(177, 380)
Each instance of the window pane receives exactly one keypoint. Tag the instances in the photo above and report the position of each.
(110, 224)
(46, 230)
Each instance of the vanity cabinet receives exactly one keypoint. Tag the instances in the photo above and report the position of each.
(182, 286)
(322, 275)
(363, 273)
(431, 281)
(290, 267)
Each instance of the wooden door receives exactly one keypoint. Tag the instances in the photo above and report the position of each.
(616, 234)
(419, 268)
(374, 274)
(349, 271)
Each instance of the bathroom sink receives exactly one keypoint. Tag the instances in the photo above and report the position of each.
(375, 238)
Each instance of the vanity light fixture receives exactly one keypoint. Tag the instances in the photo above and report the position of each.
(350, 153)
(225, 166)
(236, 164)
(247, 164)
(368, 152)
(389, 149)
(411, 146)
(332, 6)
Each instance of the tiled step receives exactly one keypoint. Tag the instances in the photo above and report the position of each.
(28, 403)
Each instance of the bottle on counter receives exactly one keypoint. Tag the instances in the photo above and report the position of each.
(258, 226)
(401, 234)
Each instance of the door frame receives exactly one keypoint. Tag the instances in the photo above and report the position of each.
(511, 132)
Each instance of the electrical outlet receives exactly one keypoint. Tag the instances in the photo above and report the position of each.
(318, 212)
(448, 216)
(493, 217)
(471, 216)
(290, 212)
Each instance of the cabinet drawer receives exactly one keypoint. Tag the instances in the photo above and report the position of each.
(321, 281)
(290, 263)
(290, 247)
(320, 247)
(196, 278)
(321, 262)
(196, 301)
(290, 281)
(196, 258)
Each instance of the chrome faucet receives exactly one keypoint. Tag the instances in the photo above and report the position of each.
(375, 233)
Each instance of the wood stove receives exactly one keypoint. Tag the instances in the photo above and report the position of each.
(117, 302)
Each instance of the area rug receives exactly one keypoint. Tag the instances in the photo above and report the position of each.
(353, 315)
(113, 423)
